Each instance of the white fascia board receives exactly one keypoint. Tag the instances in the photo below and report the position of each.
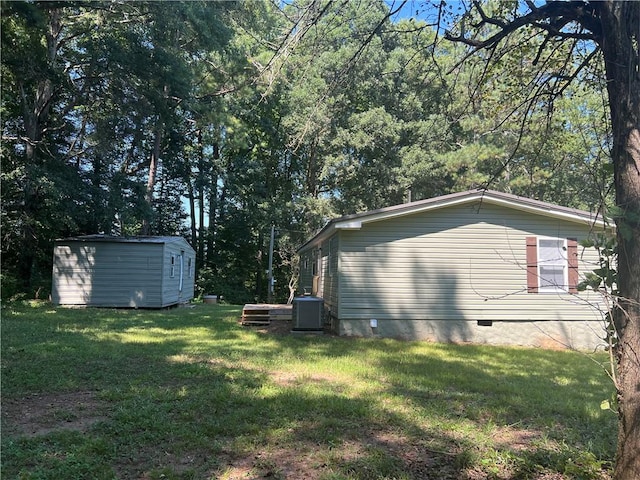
(349, 225)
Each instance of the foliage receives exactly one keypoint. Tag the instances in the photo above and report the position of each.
(599, 42)
(604, 280)
(219, 120)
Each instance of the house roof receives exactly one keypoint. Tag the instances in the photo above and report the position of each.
(119, 239)
(355, 221)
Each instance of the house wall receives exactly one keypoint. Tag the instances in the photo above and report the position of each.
(322, 261)
(118, 274)
(305, 279)
(435, 275)
(332, 277)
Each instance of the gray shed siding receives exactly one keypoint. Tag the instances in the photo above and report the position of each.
(434, 275)
(121, 273)
(182, 254)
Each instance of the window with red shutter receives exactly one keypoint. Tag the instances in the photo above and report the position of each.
(552, 265)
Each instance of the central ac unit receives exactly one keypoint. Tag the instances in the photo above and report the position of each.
(307, 314)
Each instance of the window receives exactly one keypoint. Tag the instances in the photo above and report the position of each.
(173, 266)
(552, 265)
(190, 267)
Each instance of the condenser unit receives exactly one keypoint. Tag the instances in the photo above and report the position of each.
(307, 314)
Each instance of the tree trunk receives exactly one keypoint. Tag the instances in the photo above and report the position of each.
(151, 181)
(620, 25)
(213, 207)
(200, 185)
(35, 112)
(192, 206)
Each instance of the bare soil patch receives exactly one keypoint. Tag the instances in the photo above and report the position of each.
(40, 414)
(312, 461)
(516, 439)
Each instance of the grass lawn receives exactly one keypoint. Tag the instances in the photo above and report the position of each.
(188, 393)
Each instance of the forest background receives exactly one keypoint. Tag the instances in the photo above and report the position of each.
(219, 120)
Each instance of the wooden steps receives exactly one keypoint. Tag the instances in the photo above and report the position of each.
(263, 313)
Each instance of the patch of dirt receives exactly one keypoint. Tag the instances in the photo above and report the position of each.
(516, 440)
(291, 379)
(313, 461)
(36, 415)
(282, 463)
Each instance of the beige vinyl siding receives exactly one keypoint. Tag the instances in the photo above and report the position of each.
(326, 256)
(305, 281)
(331, 274)
(458, 263)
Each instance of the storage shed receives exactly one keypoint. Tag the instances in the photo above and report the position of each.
(476, 266)
(111, 271)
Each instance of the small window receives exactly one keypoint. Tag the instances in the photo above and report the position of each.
(190, 267)
(552, 264)
(173, 266)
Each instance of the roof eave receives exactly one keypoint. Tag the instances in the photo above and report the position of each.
(355, 222)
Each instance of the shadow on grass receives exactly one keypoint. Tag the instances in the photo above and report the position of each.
(187, 393)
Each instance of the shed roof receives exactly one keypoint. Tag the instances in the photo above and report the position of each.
(119, 239)
(355, 221)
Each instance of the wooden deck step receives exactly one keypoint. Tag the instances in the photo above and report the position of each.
(263, 313)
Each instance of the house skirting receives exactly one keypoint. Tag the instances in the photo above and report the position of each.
(580, 335)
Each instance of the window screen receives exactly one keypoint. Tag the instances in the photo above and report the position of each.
(552, 264)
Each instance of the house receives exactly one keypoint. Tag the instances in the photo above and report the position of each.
(477, 266)
(111, 271)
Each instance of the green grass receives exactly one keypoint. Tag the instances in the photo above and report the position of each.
(190, 394)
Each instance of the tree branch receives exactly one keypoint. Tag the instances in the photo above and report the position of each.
(551, 17)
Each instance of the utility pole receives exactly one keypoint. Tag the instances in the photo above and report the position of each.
(270, 272)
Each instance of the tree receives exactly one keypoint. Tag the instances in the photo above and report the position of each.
(586, 29)
(39, 179)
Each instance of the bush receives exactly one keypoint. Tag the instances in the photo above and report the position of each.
(208, 283)
(8, 286)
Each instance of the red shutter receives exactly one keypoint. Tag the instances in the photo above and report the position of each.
(572, 262)
(532, 265)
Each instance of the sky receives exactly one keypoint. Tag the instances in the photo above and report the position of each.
(426, 10)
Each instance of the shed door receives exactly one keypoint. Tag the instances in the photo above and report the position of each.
(181, 273)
